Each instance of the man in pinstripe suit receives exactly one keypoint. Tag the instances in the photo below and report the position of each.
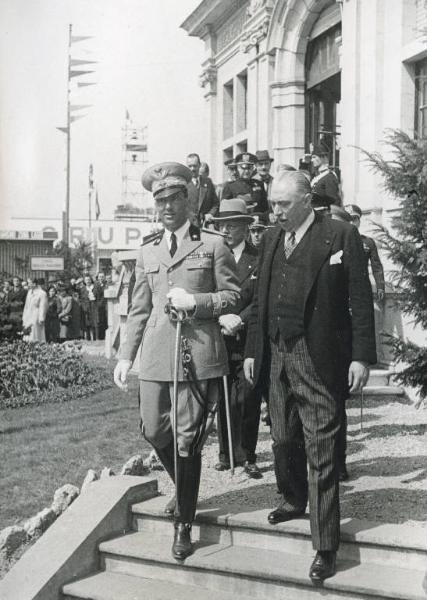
(308, 347)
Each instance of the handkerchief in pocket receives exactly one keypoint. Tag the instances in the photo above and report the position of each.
(336, 259)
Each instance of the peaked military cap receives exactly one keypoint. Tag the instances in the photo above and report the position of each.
(246, 158)
(320, 150)
(259, 222)
(230, 163)
(165, 179)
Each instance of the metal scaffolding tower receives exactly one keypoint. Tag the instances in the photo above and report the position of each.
(134, 162)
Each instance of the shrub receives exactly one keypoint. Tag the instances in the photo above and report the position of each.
(34, 373)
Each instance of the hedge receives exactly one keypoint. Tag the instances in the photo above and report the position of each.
(36, 373)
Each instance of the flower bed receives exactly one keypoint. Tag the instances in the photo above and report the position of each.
(33, 373)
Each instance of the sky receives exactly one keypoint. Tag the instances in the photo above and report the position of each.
(146, 65)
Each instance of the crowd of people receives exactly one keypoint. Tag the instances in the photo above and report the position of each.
(58, 311)
(268, 276)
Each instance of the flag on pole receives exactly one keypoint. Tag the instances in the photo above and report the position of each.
(91, 177)
(84, 84)
(79, 106)
(78, 73)
(76, 118)
(80, 38)
(77, 61)
(63, 129)
(127, 115)
(97, 207)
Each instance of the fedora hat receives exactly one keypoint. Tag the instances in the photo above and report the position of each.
(233, 209)
(263, 155)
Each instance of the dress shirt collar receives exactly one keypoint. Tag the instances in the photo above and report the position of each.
(302, 229)
(323, 168)
(180, 234)
(238, 251)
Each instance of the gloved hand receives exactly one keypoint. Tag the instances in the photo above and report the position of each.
(230, 324)
(181, 300)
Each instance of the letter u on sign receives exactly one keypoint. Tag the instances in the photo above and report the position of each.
(102, 239)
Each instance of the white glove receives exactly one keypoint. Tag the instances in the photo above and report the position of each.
(181, 300)
(230, 324)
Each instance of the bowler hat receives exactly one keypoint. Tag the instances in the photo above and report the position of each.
(263, 155)
(165, 179)
(233, 209)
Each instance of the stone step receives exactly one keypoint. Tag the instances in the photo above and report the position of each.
(380, 377)
(382, 390)
(246, 571)
(361, 541)
(116, 586)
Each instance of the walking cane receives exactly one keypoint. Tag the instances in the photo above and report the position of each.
(228, 418)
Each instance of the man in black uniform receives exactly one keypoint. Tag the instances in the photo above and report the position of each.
(246, 184)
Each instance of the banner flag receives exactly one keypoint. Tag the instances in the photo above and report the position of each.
(63, 129)
(91, 176)
(77, 73)
(97, 207)
(84, 84)
(80, 38)
(127, 115)
(77, 61)
(76, 117)
(79, 106)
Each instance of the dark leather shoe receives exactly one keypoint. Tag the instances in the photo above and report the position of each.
(323, 566)
(170, 507)
(220, 466)
(252, 470)
(280, 515)
(343, 473)
(182, 546)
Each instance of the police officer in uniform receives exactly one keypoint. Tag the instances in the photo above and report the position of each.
(190, 270)
(246, 184)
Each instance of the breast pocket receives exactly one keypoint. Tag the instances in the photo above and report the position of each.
(199, 274)
(152, 271)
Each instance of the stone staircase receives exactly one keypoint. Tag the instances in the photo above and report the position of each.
(239, 555)
(380, 383)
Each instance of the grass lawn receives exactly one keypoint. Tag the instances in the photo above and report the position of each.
(44, 447)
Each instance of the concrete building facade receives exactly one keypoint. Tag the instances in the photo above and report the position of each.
(283, 75)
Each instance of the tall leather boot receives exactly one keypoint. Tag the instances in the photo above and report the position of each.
(166, 456)
(188, 490)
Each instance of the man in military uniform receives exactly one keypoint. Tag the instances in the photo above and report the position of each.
(324, 185)
(188, 270)
(246, 184)
(232, 175)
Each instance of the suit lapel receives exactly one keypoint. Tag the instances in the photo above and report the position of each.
(246, 264)
(265, 269)
(320, 243)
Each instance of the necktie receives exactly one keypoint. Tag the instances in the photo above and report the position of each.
(174, 245)
(290, 243)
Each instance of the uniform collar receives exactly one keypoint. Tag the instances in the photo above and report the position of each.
(180, 233)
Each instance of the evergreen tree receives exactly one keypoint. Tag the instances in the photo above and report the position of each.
(405, 178)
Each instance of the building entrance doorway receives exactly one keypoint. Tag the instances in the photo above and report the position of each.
(323, 91)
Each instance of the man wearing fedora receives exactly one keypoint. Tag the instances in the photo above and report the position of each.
(233, 220)
(324, 185)
(185, 269)
(263, 167)
(246, 185)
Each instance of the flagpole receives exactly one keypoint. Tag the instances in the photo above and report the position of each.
(66, 235)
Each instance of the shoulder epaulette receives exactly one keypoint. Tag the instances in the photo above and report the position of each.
(151, 237)
(213, 231)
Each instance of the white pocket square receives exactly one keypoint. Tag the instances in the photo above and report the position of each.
(336, 259)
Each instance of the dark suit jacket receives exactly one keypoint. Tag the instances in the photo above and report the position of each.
(333, 279)
(203, 199)
(372, 256)
(246, 275)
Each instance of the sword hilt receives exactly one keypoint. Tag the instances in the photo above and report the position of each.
(175, 314)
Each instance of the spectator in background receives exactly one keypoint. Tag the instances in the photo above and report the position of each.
(263, 168)
(65, 315)
(101, 284)
(5, 292)
(76, 323)
(246, 185)
(257, 229)
(324, 185)
(35, 309)
(204, 169)
(89, 297)
(232, 175)
(201, 193)
(52, 315)
(17, 302)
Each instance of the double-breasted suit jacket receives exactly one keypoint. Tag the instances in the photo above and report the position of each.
(332, 286)
(203, 198)
(203, 265)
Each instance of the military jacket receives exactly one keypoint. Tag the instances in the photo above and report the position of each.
(204, 266)
(254, 187)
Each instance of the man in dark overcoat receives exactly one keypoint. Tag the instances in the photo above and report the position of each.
(303, 339)
(201, 193)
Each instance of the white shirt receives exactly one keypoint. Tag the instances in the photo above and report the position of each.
(180, 233)
(302, 229)
(237, 251)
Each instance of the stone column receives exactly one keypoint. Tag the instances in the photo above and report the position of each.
(288, 101)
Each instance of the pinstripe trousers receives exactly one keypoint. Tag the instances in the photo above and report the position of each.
(304, 426)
